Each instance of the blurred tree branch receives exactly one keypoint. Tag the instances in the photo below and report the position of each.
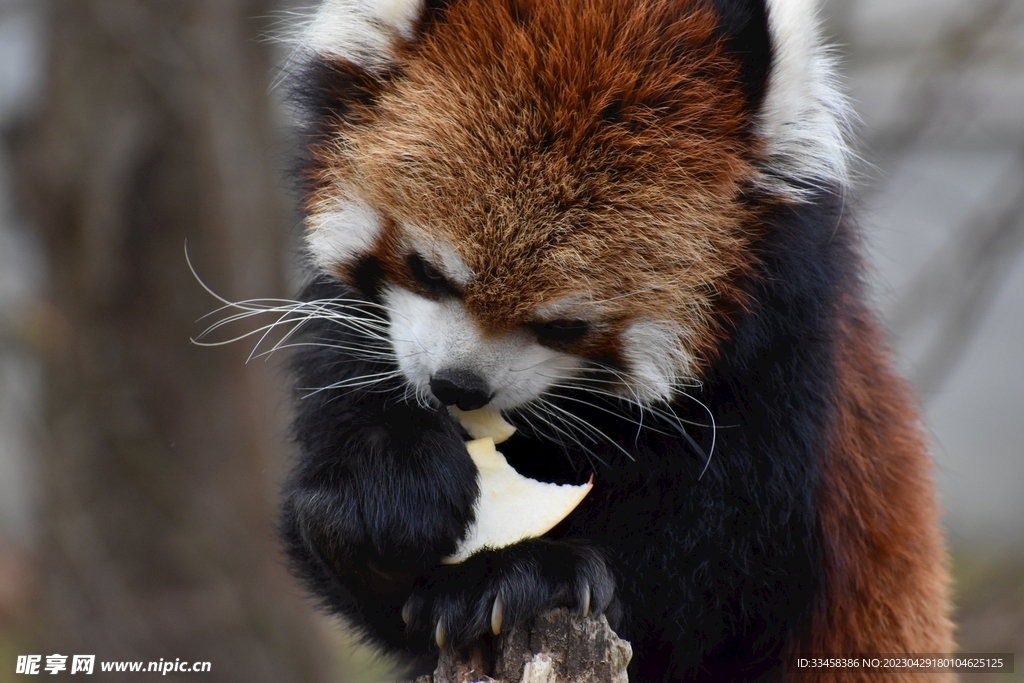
(158, 473)
(946, 301)
(956, 287)
(948, 58)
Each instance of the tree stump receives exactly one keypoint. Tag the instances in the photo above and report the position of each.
(556, 647)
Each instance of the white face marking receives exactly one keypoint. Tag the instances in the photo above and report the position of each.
(572, 307)
(361, 31)
(655, 361)
(805, 117)
(429, 336)
(340, 232)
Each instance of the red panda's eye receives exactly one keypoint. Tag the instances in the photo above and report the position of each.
(429, 277)
(561, 331)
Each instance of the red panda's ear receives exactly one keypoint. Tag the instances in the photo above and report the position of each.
(367, 33)
(346, 54)
(332, 90)
(743, 24)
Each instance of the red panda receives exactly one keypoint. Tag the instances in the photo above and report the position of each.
(621, 223)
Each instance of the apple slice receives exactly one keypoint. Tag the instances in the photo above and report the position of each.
(486, 421)
(512, 507)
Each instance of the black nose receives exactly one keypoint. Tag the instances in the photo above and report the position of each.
(460, 388)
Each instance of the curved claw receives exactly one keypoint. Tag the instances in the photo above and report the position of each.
(497, 615)
(407, 612)
(439, 635)
(585, 598)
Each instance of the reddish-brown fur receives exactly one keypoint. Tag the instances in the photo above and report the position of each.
(609, 161)
(886, 580)
(612, 163)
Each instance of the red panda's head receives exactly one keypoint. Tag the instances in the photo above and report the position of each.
(535, 187)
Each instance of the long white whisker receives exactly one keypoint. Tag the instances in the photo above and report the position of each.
(652, 408)
(270, 328)
(294, 315)
(618, 414)
(353, 382)
(677, 422)
(571, 430)
(714, 432)
(559, 432)
(362, 353)
(587, 426)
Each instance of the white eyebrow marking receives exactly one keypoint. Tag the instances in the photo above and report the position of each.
(441, 255)
(572, 307)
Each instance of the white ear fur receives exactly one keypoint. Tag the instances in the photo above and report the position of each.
(805, 117)
(361, 31)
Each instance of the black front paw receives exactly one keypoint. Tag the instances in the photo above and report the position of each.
(496, 589)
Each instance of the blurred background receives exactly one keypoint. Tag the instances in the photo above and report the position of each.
(138, 473)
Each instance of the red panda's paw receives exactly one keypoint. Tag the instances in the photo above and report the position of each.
(494, 590)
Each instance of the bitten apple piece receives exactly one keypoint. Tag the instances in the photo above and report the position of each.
(512, 507)
(484, 422)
